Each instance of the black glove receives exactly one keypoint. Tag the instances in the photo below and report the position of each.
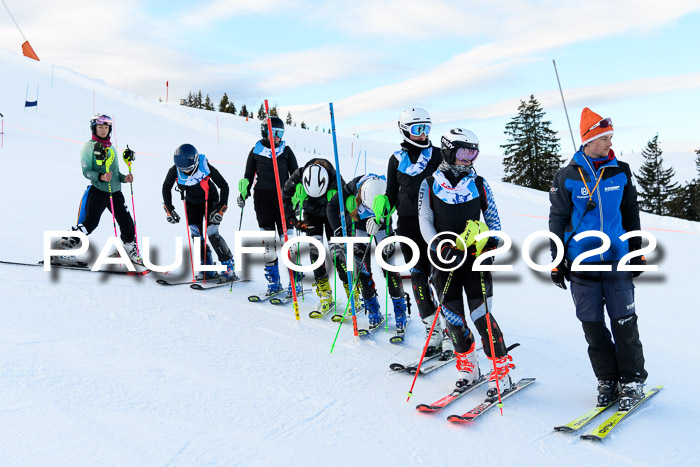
(240, 201)
(128, 155)
(301, 225)
(217, 214)
(491, 244)
(170, 214)
(100, 153)
(452, 255)
(560, 273)
(638, 261)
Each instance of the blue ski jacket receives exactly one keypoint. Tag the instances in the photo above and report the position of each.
(616, 211)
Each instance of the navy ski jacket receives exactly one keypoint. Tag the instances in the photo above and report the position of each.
(616, 211)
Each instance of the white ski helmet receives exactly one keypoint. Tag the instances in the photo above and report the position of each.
(415, 122)
(459, 144)
(315, 180)
(370, 189)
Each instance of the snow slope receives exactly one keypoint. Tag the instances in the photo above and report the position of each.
(103, 369)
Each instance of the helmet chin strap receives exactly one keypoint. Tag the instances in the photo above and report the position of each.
(417, 144)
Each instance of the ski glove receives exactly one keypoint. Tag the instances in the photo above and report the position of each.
(243, 187)
(218, 214)
(372, 227)
(170, 214)
(638, 261)
(451, 255)
(559, 274)
(240, 201)
(128, 155)
(301, 225)
(491, 244)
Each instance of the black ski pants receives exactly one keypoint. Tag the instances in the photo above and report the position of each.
(91, 212)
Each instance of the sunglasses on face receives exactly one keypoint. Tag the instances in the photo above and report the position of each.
(604, 123)
(420, 129)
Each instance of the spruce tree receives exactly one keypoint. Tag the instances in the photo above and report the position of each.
(198, 102)
(231, 108)
(288, 120)
(532, 152)
(261, 112)
(208, 105)
(274, 111)
(244, 111)
(303, 126)
(189, 102)
(687, 204)
(656, 189)
(223, 104)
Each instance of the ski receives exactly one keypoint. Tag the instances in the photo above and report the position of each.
(80, 266)
(166, 283)
(398, 338)
(263, 297)
(413, 365)
(319, 314)
(284, 300)
(215, 284)
(608, 425)
(445, 358)
(489, 403)
(369, 331)
(579, 422)
(451, 397)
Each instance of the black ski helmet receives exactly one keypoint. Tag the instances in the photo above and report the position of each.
(186, 158)
(276, 122)
(100, 119)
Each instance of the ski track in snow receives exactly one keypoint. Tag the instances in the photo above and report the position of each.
(107, 369)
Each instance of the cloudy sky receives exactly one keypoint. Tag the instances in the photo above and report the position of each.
(469, 63)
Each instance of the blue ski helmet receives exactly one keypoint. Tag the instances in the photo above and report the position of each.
(277, 127)
(186, 158)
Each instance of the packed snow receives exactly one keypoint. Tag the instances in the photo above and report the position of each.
(109, 369)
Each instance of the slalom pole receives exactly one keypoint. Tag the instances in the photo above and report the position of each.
(345, 228)
(493, 350)
(189, 233)
(565, 111)
(133, 206)
(352, 286)
(427, 340)
(205, 187)
(111, 200)
(271, 138)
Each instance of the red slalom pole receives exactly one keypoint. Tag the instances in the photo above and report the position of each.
(427, 340)
(271, 138)
(205, 187)
(189, 234)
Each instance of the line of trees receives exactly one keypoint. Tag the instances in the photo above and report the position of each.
(226, 105)
(532, 158)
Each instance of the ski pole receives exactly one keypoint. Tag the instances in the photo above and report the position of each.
(281, 206)
(108, 163)
(189, 233)
(341, 201)
(493, 350)
(129, 158)
(563, 102)
(205, 187)
(352, 287)
(427, 341)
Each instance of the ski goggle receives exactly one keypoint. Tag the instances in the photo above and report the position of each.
(102, 120)
(277, 132)
(418, 129)
(467, 154)
(604, 123)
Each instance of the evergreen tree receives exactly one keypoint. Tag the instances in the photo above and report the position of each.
(532, 152)
(273, 111)
(656, 190)
(261, 112)
(687, 204)
(288, 120)
(231, 108)
(244, 111)
(303, 125)
(223, 104)
(198, 102)
(208, 105)
(189, 102)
